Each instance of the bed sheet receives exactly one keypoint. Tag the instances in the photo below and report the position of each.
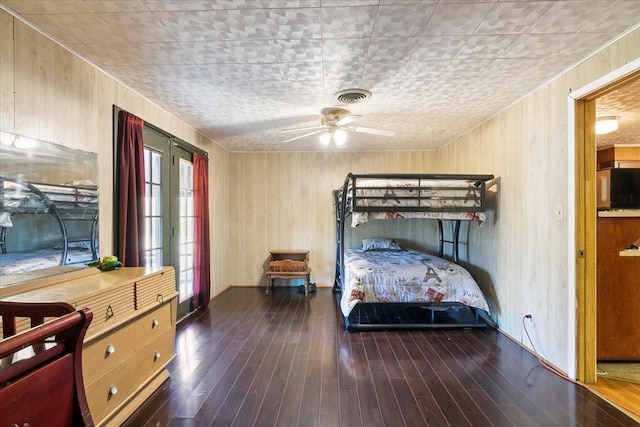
(406, 276)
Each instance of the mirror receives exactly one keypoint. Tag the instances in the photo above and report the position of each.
(48, 208)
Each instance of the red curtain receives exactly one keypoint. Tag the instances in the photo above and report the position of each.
(130, 191)
(201, 255)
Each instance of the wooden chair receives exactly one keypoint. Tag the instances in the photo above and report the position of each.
(41, 367)
(288, 269)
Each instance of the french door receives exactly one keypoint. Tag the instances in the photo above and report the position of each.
(169, 215)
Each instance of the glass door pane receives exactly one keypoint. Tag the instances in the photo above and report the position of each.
(186, 238)
(154, 252)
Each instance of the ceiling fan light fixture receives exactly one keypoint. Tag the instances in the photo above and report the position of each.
(606, 124)
(325, 138)
(340, 137)
(7, 138)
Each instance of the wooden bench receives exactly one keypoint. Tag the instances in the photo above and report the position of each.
(288, 269)
(41, 367)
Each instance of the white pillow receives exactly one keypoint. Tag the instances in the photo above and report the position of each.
(380, 244)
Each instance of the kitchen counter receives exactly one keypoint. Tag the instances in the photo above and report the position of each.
(619, 213)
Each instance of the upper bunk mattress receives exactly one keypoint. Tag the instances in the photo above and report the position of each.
(396, 194)
(406, 276)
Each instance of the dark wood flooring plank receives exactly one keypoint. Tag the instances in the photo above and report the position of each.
(257, 392)
(491, 398)
(431, 412)
(387, 400)
(257, 343)
(519, 388)
(405, 361)
(230, 406)
(424, 339)
(447, 404)
(409, 409)
(330, 403)
(387, 354)
(329, 352)
(472, 412)
(311, 394)
(268, 413)
(414, 376)
(248, 411)
(350, 415)
(210, 407)
(345, 363)
(494, 413)
(367, 398)
(292, 398)
(188, 408)
(312, 389)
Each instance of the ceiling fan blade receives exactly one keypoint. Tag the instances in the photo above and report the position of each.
(302, 136)
(348, 119)
(304, 128)
(382, 132)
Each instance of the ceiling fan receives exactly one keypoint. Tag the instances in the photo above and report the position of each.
(335, 123)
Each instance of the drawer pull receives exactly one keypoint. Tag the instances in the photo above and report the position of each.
(160, 298)
(109, 313)
(113, 390)
(156, 355)
(111, 349)
(154, 322)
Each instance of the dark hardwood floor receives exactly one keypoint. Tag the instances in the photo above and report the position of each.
(257, 360)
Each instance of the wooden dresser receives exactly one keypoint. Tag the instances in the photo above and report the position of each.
(130, 341)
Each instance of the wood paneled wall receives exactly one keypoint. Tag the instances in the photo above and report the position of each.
(48, 93)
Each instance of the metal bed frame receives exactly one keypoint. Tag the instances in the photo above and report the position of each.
(38, 199)
(407, 315)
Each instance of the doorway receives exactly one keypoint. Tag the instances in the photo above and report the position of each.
(584, 109)
(169, 238)
(586, 249)
(169, 214)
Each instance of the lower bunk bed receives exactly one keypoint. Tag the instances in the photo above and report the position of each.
(408, 289)
(382, 286)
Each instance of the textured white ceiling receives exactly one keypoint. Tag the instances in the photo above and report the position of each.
(623, 103)
(239, 71)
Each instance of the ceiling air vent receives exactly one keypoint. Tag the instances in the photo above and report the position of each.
(352, 96)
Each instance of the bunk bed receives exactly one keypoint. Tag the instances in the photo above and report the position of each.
(44, 225)
(383, 286)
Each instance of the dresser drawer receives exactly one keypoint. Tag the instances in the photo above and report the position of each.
(111, 389)
(152, 324)
(153, 356)
(108, 307)
(104, 354)
(154, 289)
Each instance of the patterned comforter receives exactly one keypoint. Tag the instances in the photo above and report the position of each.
(406, 276)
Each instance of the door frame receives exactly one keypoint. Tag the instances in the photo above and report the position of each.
(582, 215)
